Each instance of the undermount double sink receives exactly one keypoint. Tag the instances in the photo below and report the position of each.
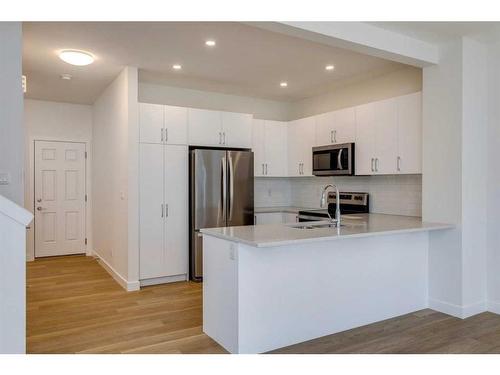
(326, 224)
(312, 225)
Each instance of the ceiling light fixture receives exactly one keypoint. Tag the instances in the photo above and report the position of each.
(66, 77)
(210, 43)
(283, 84)
(74, 57)
(177, 67)
(329, 67)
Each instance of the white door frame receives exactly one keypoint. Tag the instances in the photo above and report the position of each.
(30, 192)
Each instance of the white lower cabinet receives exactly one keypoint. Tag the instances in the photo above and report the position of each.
(163, 207)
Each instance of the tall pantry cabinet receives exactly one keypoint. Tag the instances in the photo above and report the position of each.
(163, 197)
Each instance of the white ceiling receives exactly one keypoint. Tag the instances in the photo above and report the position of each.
(439, 32)
(246, 60)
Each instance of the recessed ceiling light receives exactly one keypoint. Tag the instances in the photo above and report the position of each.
(66, 77)
(210, 43)
(74, 57)
(329, 67)
(177, 67)
(283, 84)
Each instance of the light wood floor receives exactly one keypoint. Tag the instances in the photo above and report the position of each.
(74, 306)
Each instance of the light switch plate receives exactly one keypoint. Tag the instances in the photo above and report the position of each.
(4, 178)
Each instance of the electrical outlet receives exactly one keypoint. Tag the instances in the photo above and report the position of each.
(4, 178)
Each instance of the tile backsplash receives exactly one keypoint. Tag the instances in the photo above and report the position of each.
(395, 194)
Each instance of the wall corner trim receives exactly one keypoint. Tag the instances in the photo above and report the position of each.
(129, 286)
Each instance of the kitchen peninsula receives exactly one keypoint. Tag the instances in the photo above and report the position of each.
(270, 286)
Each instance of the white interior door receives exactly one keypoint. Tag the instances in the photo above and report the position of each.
(59, 198)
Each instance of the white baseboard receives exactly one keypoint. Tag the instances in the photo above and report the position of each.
(163, 280)
(494, 307)
(458, 311)
(129, 286)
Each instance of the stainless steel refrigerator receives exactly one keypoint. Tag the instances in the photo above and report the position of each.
(221, 195)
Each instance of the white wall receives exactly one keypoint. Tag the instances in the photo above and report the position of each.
(11, 111)
(260, 108)
(54, 121)
(454, 176)
(493, 196)
(12, 233)
(400, 82)
(114, 178)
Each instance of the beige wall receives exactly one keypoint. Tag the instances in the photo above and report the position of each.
(400, 82)
(260, 108)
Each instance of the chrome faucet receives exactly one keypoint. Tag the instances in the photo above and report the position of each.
(337, 203)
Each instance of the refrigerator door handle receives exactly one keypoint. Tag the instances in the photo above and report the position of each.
(231, 188)
(224, 188)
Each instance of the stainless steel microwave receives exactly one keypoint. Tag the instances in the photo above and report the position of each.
(333, 160)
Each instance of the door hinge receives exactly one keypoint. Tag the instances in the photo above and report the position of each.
(85, 241)
(85, 154)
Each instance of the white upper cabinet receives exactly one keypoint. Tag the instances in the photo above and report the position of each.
(389, 136)
(258, 147)
(365, 135)
(386, 140)
(237, 129)
(276, 135)
(151, 123)
(176, 125)
(345, 126)
(221, 129)
(205, 127)
(409, 158)
(336, 127)
(162, 124)
(301, 139)
(269, 145)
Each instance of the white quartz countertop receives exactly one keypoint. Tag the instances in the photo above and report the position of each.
(289, 209)
(359, 225)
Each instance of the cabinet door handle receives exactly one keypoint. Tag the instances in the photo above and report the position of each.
(266, 169)
(399, 164)
(224, 137)
(331, 136)
(335, 136)
(162, 210)
(166, 134)
(376, 164)
(263, 169)
(162, 135)
(166, 210)
(373, 168)
(220, 138)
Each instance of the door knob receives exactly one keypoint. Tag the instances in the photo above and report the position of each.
(39, 208)
(39, 200)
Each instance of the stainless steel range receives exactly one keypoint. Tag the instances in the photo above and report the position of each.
(350, 203)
